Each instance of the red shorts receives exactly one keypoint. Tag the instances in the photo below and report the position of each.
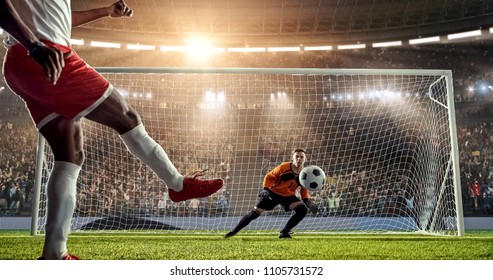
(78, 91)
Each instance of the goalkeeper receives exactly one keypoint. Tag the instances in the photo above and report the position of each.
(280, 186)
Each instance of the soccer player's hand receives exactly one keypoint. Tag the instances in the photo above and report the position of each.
(312, 206)
(120, 9)
(50, 58)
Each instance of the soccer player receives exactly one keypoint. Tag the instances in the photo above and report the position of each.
(280, 186)
(59, 89)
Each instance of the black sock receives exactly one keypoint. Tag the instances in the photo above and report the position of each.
(300, 213)
(246, 220)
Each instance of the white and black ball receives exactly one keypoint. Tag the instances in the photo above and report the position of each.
(312, 178)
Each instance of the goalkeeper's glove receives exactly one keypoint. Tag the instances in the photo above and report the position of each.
(310, 205)
(264, 193)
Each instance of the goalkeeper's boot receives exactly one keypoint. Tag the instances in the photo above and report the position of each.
(284, 234)
(196, 188)
(229, 234)
(66, 257)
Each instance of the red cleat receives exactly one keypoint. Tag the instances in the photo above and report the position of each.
(69, 257)
(66, 257)
(195, 188)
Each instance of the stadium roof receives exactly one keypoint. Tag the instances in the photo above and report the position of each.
(287, 22)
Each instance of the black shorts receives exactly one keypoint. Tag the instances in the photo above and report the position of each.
(268, 200)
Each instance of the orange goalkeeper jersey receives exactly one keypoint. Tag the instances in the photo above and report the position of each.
(282, 180)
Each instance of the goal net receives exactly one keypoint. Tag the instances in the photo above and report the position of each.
(386, 140)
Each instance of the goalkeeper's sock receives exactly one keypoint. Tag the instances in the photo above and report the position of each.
(141, 145)
(62, 189)
(300, 213)
(245, 221)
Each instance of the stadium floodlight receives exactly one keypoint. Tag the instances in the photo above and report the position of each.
(141, 47)
(424, 40)
(105, 44)
(246, 49)
(317, 48)
(78, 42)
(283, 49)
(407, 148)
(173, 48)
(221, 97)
(351, 47)
(200, 48)
(466, 34)
(217, 50)
(387, 44)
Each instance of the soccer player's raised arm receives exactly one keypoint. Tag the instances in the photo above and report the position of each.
(117, 9)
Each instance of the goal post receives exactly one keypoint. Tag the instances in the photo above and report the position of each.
(386, 139)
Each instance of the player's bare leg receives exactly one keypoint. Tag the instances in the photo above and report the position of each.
(114, 112)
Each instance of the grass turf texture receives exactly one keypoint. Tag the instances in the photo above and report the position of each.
(475, 245)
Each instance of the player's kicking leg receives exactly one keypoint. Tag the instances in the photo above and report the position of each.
(114, 112)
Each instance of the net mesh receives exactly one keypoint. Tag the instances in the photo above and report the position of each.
(383, 140)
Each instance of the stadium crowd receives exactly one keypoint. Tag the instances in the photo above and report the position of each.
(351, 192)
(116, 184)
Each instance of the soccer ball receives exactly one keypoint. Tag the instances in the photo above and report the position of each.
(312, 178)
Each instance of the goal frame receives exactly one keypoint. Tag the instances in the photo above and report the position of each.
(291, 71)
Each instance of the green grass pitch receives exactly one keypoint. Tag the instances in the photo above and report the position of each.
(475, 245)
